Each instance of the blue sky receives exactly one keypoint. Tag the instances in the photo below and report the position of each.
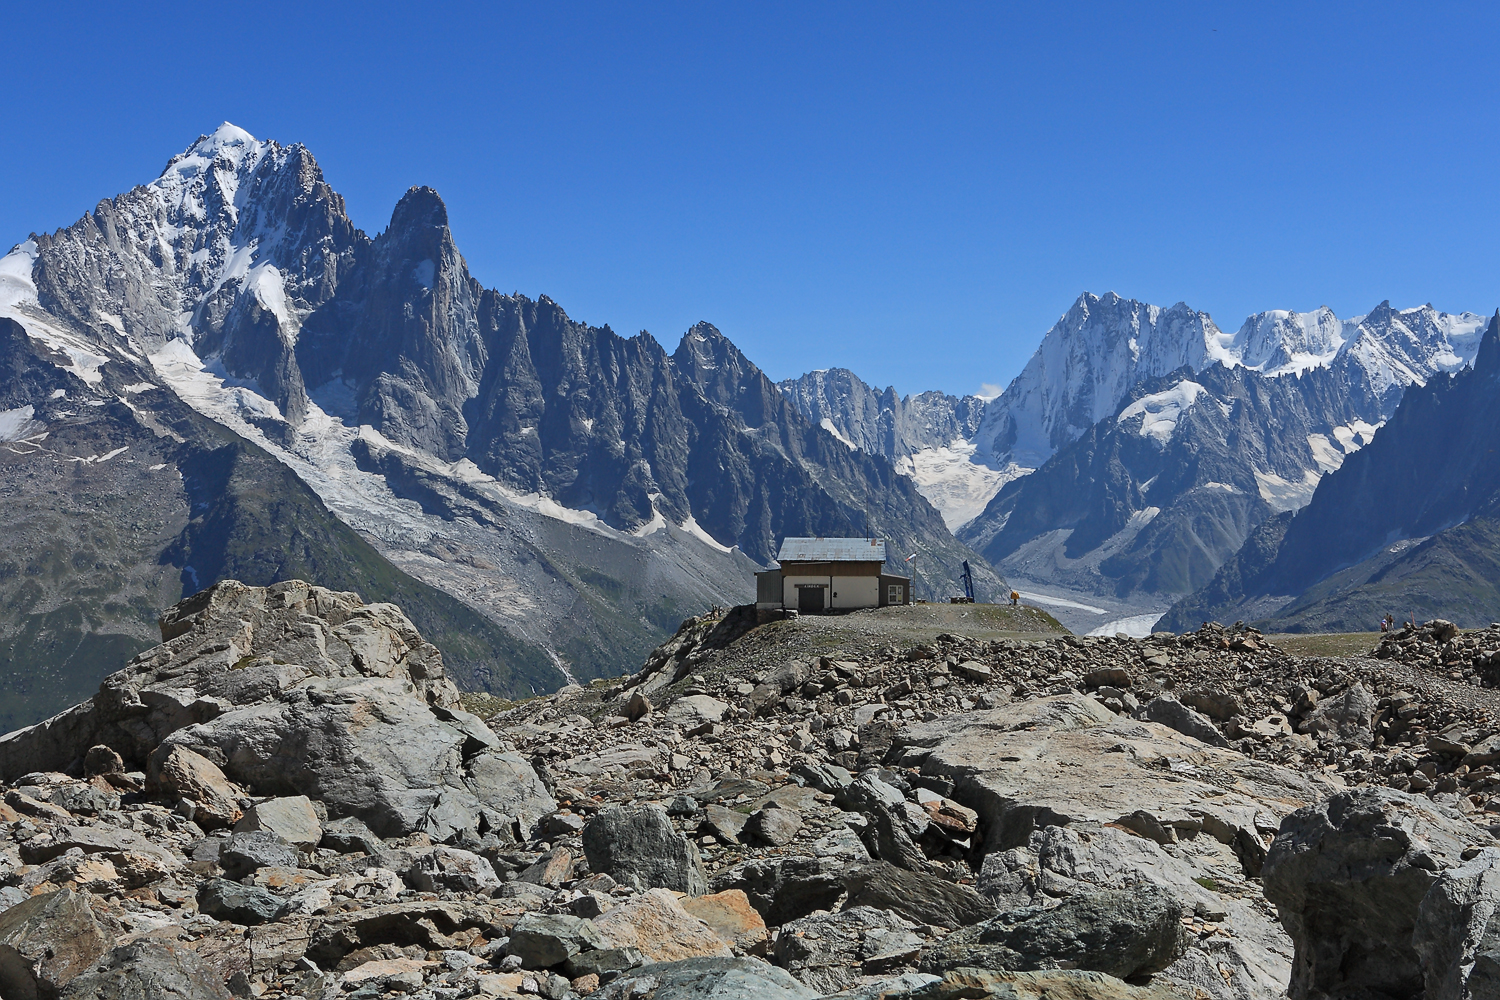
(915, 192)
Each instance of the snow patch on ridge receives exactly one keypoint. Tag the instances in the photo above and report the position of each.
(17, 425)
(953, 482)
(692, 527)
(1160, 411)
(16, 286)
(828, 426)
(1284, 495)
(18, 301)
(266, 283)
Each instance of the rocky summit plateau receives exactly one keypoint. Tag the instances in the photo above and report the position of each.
(289, 798)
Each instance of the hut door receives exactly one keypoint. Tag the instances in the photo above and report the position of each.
(809, 599)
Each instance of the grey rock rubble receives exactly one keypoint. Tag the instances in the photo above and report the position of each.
(1186, 816)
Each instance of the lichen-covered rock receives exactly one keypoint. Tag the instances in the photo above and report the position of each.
(830, 951)
(730, 915)
(149, 970)
(46, 942)
(707, 979)
(542, 940)
(241, 904)
(657, 925)
(916, 896)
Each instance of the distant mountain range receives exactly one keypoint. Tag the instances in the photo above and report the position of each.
(1141, 447)
(566, 494)
(1408, 526)
(217, 374)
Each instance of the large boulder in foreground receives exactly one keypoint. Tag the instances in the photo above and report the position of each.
(1081, 858)
(373, 749)
(1348, 877)
(232, 646)
(1073, 799)
(1068, 759)
(1457, 937)
(293, 690)
(46, 942)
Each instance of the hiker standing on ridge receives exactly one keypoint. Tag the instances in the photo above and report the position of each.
(1015, 598)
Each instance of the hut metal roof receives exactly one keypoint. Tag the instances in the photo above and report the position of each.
(832, 550)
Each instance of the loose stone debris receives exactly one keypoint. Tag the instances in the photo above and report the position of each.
(287, 799)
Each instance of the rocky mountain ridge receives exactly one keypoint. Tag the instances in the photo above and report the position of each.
(1405, 527)
(735, 821)
(1103, 513)
(1104, 346)
(581, 490)
(881, 422)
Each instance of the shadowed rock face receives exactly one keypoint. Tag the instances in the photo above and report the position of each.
(1348, 877)
(1457, 937)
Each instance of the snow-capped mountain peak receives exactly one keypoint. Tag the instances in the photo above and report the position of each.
(1085, 366)
(228, 250)
(1104, 345)
(1280, 341)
